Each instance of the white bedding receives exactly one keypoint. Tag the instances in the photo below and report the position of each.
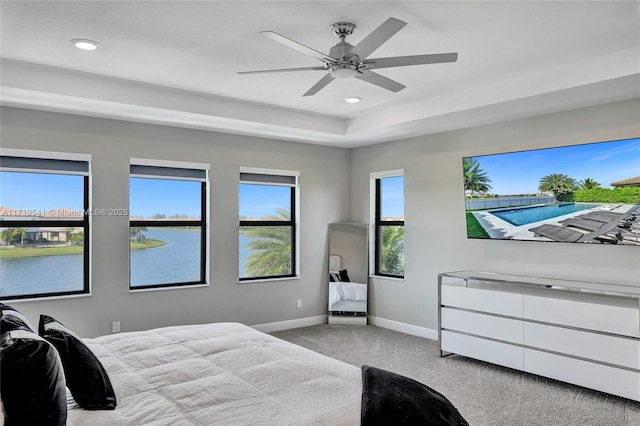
(223, 373)
(347, 294)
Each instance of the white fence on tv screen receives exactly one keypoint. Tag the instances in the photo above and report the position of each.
(494, 203)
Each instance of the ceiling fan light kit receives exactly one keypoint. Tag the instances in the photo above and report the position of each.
(345, 70)
(346, 61)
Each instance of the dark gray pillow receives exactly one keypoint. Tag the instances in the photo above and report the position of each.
(31, 375)
(86, 377)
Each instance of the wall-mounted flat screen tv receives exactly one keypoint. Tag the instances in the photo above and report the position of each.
(574, 194)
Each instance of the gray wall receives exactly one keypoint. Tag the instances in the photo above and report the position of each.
(435, 238)
(324, 199)
(435, 234)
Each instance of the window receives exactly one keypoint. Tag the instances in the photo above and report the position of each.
(388, 219)
(44, 225)
(167, 226)
(268, 216)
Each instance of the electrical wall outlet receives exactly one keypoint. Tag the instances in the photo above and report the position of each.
(299, 303)
(115, 327)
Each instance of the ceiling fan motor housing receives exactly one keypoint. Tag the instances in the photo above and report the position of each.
(341, 51)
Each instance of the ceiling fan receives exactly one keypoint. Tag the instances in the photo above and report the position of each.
(345, 60)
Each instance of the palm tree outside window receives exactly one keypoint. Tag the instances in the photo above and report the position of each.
(389, 225)
(267, 224)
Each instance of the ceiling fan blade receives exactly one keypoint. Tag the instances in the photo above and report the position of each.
(381, 81)
(284, 70)
(297, 46)
(403, 61)
(319, 85)
(374, 40)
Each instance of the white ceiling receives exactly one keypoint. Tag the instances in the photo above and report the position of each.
(175, 63)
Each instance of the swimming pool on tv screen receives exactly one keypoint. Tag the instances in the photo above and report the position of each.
(526, 215)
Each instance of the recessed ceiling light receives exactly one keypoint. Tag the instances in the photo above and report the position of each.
(85, 44)
(353, 99)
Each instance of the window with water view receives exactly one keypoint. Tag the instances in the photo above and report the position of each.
(44, 224)
(266, 237)
(167, 228)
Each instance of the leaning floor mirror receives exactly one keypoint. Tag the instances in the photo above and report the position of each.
(348, 273)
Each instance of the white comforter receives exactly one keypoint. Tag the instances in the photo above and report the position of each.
(348, 292)
(224, 373)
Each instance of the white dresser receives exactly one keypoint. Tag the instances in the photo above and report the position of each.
(579, 332)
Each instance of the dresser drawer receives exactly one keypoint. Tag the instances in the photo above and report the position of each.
(610, 349)
(503, 303)
(482, 325)
(612, 380)
(617, 316)
(484, 350)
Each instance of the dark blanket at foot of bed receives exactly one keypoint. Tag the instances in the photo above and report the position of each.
(389, 398)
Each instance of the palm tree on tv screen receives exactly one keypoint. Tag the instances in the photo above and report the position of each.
(270, 248)
(588, 183)
(475, 179)
(559, 184)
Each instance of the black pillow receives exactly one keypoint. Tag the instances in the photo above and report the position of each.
(31, 376)
(344, 277)
(9, 312)
(389, 398)
(86, 377)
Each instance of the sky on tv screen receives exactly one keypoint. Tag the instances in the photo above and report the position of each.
(520, 172)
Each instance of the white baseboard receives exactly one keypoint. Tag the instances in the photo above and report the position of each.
(289, 324)
(402, 327)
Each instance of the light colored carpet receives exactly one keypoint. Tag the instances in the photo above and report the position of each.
(485, 394)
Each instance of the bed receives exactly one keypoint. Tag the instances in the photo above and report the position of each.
(220, 374)
(225, 374)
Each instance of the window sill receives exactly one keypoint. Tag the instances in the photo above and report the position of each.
(35, 299)
(175, 287)
(384, 277)
(266, 280)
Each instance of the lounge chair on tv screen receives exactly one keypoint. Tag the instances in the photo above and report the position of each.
(568, 235)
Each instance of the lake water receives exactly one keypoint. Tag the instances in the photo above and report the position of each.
(177, 261)
(34, 275)
(524, 216)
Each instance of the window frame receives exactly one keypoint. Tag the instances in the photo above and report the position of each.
(180, 171)
(279, 179)
(377, 224)
(48, 162)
